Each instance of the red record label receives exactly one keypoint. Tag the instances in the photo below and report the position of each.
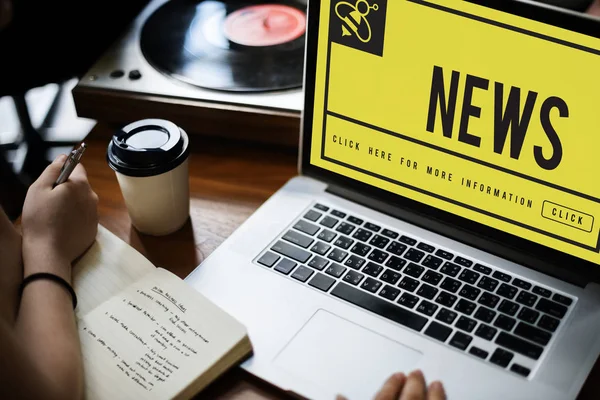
(265, 25)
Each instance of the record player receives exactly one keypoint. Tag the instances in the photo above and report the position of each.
(228, 68)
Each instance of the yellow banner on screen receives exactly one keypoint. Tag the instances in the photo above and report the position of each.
(480, 113)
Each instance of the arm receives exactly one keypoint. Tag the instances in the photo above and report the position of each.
(58, 226)
(11, 270)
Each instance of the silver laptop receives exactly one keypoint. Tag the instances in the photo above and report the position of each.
(441, 219)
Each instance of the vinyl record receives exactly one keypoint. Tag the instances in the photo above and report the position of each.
(240, 46)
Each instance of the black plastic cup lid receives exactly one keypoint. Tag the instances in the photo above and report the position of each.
(148, 147)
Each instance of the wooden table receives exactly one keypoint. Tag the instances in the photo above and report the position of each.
(228, 181)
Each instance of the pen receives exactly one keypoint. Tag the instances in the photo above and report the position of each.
(70, 164)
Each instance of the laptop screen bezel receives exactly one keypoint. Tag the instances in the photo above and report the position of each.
(489, 239)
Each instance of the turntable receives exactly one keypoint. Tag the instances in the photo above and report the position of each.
(228, 68)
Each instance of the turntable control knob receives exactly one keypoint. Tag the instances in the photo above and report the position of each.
(134, 74)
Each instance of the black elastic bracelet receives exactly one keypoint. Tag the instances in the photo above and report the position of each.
(51, 277)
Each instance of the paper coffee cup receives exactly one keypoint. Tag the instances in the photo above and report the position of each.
(150, 159)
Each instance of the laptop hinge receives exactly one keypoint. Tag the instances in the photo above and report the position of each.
(571, 275)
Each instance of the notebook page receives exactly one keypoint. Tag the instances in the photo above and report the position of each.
(153, 340)
(108, 267)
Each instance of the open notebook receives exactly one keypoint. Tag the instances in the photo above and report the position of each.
(145, 334)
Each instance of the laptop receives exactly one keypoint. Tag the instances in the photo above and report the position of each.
(443, 218)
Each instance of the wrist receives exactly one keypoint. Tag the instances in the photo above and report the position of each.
(39, 256)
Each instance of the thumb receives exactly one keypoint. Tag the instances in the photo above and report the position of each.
(51, 173)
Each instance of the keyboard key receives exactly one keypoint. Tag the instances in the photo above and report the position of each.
(329, 221)
(477, 352)
(355, 262)
(486, 332)
(518, 345)
(521, 284)
(438, 331)
(547, 323)
(446, 316)
(446, 299)
(414, 270)
(268, 259)
(372, 269)
(372, 285)
(409, 284)
(482, 268)
(306, 227)
(466, 307)
(502, 276)
(541, 291)
(379, 241)
(389, 292)
(390, 276)
(450, 285)
(335, 270)
(466, 324)
(488, 300)
(291, 251)
(488, 284)
(469, 276)
(460, 340)
(407, 240)
(337, 255)
(427, 291)
(388, 233)
(529, 315)
(450, 269)
(322, 282)
(338, 214)
(484, 314)
(414, 255)
(378, 256)
(508, 291)
(463, 261)
(444, 254)
(526, 298)
(353, 277)
(298, 239)
(432, 262)
(408, 300)
(504, 322)
(326, 235)
(552, 308)
(362, 234)
(425, 247)
(508, 307)
(318, 263)
(321, 248)
(432, 277)
(302, 273)
(427, 308)
(501, 357)
(345, 228)
(321, 207)
(379, 306)
(562, 299)
(343, 242)
(285, 266)
(355, 220)
(395, 263)
(532, 333)
(397, 248)
(519, 369)
(469, 292)
(361, 249)
(312, 215)
(377, 228)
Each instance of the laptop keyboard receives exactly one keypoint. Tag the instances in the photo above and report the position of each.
(489, 314)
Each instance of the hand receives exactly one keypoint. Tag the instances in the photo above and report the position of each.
(59, 223)
(399, 387)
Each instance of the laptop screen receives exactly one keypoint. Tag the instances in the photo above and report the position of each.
(480, 113)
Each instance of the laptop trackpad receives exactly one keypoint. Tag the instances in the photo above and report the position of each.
(345, 357)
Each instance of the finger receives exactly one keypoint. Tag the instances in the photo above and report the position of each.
(392, 387)
(436, 391)
(414, 388)
(340, 397)
(79, 174)
(50, 174)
